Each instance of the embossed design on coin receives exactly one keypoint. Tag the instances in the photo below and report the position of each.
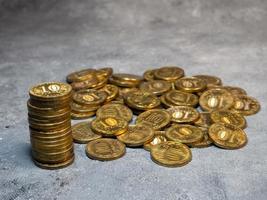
(204, 120)
(81, 75)
(111, 90)
(169, 73)
(179, 98)
(82, 133)
(210, 80)
(245, 105)
(89, 97)
(149, 75)
(157, 87)
(159, 137)
(183, 114)
(190, 84)
(205, 142)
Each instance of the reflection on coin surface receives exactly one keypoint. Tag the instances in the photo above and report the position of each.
(159, 137)
(205, 142)
(204, 120)
(81, 75)
(111, 90)
(169, 73)
(89, 97)
(149, 75)
(82, 133)
(179, 98)
(183, 114)
(210, 80)
(245, 105)
(190, 84)
(157, 87)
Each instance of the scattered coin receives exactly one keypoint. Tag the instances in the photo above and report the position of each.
(112, 92)
(159, 137)
(169, 73)
(81, 75)
(157, 87)
(190, 84)
(205, 142)
(210, 80)
(204, 120)
(179, 98)
(245, 105)
(183, 114)
(149, 75)
(90, 97)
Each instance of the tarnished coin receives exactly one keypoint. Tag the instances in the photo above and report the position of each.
(179, 98)
(183, 114)
(210, 80)
(142, 100)
(155, 118)
(245, 105)
(169, 73)
(204, 120)
(136, 135)
(159, 137)
(228, 117)
(90, 97)
(186, 134)
(205, 142)
(115, 110)
(227, 136)
(82, 115)
(157, 87)
(149, 75)
(81, 75)
(109, 126)
(216, 99)
(171, 154)
(190, 84)
(112, 92)
(82, 133)
(105, 149)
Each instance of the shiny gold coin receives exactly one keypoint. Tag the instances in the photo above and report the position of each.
(142, 100)
(127, 77)
(165, 103)
(186, 134)
(82, 115)
(171, 154)
(95, 82)
(179, 98)
(105, 149)
(50, 137)
(81, 75)
(77, 108)
(46, 110)
(50, 91)
(157, 87)
(190, 84)
(124, 91)
(111, 90)
(115, 110)
(227, 136)
(183, 114)
(109, 126)
(90, 97)
(228, 117)
(119, 83)
(149, 75)
(235, 90)
(155, 118)
(245, 105)
(216, 99)
(118, 100)
(136, 135)
(159, 137)
(169, 73)
(54, 166)
(205, 142)
(210, 80)
(82, 133)
(105, 71)
(204, 120)
(51, 160)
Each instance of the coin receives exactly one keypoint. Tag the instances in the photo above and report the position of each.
(216, 99)
(111, 90)
(205, 142)
(165, 103)
(179, 98)
(109, 126)
(82, 133)
(105, 149)
(142, 100)
(115, 110)
(190, 84)
(155, 118)
(77, 108)
(81, 75)
(95, 82)
(171, 154)
(159, 137)
(235, 90)
(183, 114)
(204, 120)
(136, 135)
(105, 71)
(157, 87)
(82, 115)
(124, 91)
(54, 166)
(89, 97)
(245, 105)
(227, 136)
(169, 73)
(186, 134)
(210, 80)
(228, 117)
(149, 75)
(127, 77)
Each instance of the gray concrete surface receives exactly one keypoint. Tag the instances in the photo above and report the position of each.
(45, 40)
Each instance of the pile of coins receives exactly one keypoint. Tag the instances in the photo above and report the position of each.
(50, 125)
(174, 113)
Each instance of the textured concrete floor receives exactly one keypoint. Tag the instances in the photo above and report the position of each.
(45, 40)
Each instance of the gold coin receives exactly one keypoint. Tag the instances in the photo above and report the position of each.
(227, 136)
(245, 105)
(149, 75)
(169, 73)
(171, 154)
(228, 117)
(82, 115)
(77, 108)
(54, 166)
(186, 134)
(205, 142)
(165, 103)
(124, 91)
(136, 135)
(50, 137)
(50, 91)
(118, 100)
(105, 71)
(105, 149)
(190, 84)
(216, 99)
(115, 110)
(210, 80)
(179, 98)
(157, 87)
(204, 120)
(235, 90)
(183, 114)
(82, 133)
(159, 137)
(81, 75)
(127, 77)
(111, 90)
(155, 118)
(95, 82)
(109, 126)
(46, 110)
(89, 97)
(142, 100)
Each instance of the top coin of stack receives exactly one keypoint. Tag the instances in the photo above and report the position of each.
(50, 126)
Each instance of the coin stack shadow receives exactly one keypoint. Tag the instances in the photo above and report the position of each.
(50, 130)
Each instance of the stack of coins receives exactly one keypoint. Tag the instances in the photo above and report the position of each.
(50, 125)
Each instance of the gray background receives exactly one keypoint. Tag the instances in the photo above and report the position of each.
(46, 40)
